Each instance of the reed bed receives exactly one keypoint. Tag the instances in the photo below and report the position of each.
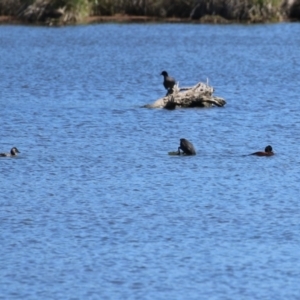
(75, 11)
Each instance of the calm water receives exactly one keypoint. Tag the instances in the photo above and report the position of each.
(94, 208)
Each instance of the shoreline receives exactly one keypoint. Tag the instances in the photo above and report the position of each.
(129, 19)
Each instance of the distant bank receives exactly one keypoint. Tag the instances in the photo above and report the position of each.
(60, 12)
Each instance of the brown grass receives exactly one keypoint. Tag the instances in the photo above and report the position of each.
(91, 11)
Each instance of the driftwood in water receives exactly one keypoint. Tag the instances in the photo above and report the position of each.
(199, 95)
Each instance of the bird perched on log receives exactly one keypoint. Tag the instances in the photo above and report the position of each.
(186, 147)
(169, 82)
(13, 152)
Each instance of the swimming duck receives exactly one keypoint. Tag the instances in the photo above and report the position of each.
(13, 152)
(268, 152)
(186, 147)
(169, 82)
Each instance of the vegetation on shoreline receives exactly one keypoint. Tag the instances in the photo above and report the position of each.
(77, 11)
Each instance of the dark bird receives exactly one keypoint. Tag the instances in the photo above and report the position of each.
(13, 152)
(268, 152)
(186, 147)
(169, 82)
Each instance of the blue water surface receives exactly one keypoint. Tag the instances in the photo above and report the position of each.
(95, 208)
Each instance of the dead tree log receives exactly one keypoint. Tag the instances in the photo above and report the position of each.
(199, 95)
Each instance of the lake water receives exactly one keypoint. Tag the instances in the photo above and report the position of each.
(95, 208)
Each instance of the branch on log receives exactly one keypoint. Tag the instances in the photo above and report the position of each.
(199, 95)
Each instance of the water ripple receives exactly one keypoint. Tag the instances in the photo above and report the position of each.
(95, 208)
